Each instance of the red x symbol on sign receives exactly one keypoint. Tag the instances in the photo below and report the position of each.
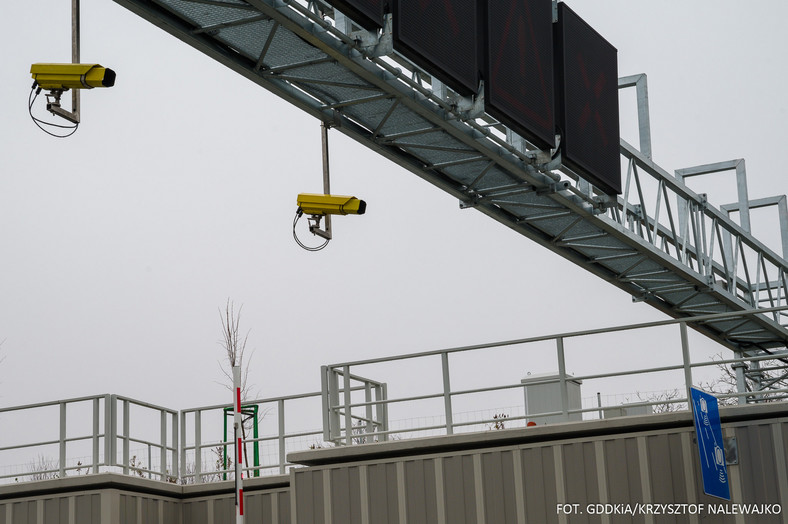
(591, 108)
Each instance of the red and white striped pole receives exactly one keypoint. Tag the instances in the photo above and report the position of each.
(239, 483)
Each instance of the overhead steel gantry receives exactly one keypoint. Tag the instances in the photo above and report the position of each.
(659, 241)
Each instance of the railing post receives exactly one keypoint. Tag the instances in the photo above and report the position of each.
(599, 404)
(385, 389)
(447, 394)
(686, 359)
(280, 407)
(108, 458)
(335, 434)
(62, 450)
(96, 412)
(163, 459)
(741, 381)
(175, 467)
(126, 433)
(562, 378)
(197, 446)
(381, 416)
(181, 450)
(368, 399)
(324, 399)
(348, 413)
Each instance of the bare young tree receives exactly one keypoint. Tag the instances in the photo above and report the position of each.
(234, 345)
(233, 342)
(759, 379)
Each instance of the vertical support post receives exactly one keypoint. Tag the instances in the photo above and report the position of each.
(280, 408)
(348, 410)
(126, 434)
(109, 459)
(744, 198)
(644, 121)
(756, 377)
(782, 210)
(342, 22)
(256, 445)
(686, 359)
(239, 486)
(439, 88)
(741, 381)
(640, 83)
(96, 412)
(182, 450)
(447, 394)
(385, 389)
(197, 446)
(75, 52)
(225, 456)
(324, 398)
(381, 419)
(562, 378)
(62, 453)
(599, 404)
(368, 399)
(326, 175)
(163, 459)
(175, 469)
(333, 400)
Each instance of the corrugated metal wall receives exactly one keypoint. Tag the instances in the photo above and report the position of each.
(269, 507)
(519, 484)
(498, 477)
(109, 505)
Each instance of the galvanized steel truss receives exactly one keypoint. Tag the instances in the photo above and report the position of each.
(660, 241)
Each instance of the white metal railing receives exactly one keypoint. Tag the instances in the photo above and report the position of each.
(98, 427)
(194, 421)
(348, 420)
(114, 433)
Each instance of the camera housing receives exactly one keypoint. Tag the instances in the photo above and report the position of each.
(60, 77)
(316, 204)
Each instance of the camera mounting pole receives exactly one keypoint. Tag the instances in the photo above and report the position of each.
(314, 225)
(53, 98)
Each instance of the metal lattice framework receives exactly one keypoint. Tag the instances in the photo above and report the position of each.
(659, 241)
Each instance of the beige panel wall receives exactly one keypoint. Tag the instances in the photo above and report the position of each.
(137, 506)
(521, 484)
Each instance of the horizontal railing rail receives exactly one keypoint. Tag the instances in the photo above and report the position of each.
(349, 419)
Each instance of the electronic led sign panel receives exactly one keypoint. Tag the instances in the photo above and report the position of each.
(443, 37)
(587, 78)
(518, 86)
(367, 13)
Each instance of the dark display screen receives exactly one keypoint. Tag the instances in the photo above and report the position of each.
(443, 37)
(367, 13)
(518, 76)
(587, 78)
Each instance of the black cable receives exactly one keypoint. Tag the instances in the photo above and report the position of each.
(31, 100)
(298, 215)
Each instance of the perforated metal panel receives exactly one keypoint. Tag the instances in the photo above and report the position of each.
(442, 36)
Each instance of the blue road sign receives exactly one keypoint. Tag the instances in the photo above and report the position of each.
(706, 411)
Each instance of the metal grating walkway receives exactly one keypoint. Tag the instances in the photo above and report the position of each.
(668, 247)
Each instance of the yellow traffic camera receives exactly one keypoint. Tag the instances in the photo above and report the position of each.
(315, 204)
(60, 77)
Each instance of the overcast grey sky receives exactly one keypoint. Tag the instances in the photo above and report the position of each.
(178, 191)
